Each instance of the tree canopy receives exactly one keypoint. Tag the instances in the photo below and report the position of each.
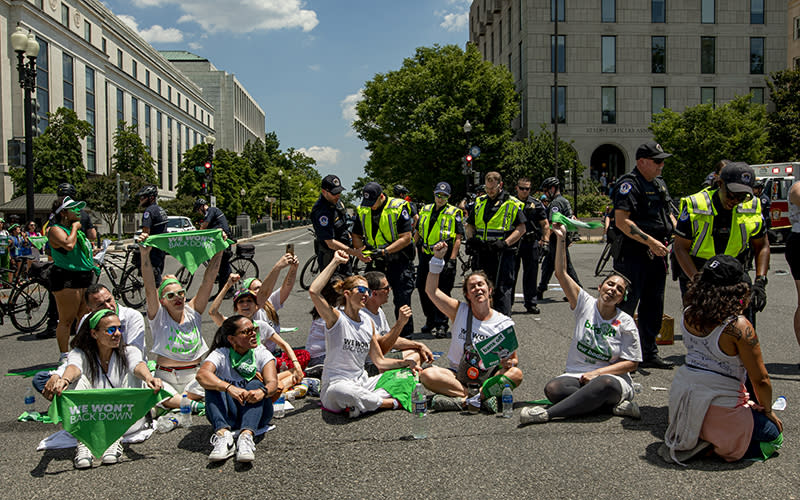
(533, 158)
(784, 123)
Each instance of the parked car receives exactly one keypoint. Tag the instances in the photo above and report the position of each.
(178, 224)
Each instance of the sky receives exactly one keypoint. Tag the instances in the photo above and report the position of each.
(304, 62)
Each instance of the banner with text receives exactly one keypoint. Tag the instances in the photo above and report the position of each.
(191, 248)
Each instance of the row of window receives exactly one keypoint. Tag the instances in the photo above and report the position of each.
(608, 101)
(658, 54)
(658, 11)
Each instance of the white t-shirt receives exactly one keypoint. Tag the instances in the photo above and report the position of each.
(315, 343)
(346, 347)
(597, 342)
(132, 322)
(481, 330)
(381, 324)
(261, 314)
(178, 341)
(111, 379)
(265, 332)
(221, 359)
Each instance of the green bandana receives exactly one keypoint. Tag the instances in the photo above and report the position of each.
(572, 224)
(244, 364)
(168, 281)
(96, 317)
(399, 383)
(190, 248)
(246, 283)
(38, 241)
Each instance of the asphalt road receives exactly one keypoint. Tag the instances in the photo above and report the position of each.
(319, 455)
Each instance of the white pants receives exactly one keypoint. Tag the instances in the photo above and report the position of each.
(358, 393)
(180, 381)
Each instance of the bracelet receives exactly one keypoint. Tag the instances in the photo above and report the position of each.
(226, 389)
(68, 380)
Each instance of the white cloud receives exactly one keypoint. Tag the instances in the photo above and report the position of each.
(348, 105)
(315, 67)
(155, 33)
(365, 156)
(245, 16)
(147, 3)
(455, 21)
(195, 46)
(324, 155)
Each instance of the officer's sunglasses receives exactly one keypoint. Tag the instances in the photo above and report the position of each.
(524, 188)
(442, 196)
(657, 161)
(740, 197)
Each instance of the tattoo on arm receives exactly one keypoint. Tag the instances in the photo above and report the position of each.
(750, 336)
(638, 232)
(732, 331)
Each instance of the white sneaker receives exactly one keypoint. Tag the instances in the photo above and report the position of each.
(224, 446)
(83, 457)
(245, 448)
(113, 454)
(533, 415)
(627, 409)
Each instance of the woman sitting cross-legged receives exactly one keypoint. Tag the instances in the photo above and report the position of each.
(458, 386)
(604, 350)
(349, 337)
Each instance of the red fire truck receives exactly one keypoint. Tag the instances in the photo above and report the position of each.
(778, 178)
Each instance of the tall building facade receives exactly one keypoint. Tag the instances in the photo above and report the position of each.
(91, 62)
(793, 49)
(238, 116)
(621, 61)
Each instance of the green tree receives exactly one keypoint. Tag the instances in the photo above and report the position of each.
(533, 158)
(702, 135)
(412, 119)
(57, 154)
(189, 179)
(132, 162)
(783, 124)
(100, 194)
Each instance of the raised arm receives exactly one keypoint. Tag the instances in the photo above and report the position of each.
(325, 310)
(571, 289)
(150, 291)
(268, 284)
(200, 301)
(213, 311)
(386, 342)
(288, 281)
(445, 303)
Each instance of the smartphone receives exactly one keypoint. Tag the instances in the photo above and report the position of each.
(290, 248)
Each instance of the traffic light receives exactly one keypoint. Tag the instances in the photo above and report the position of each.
(204, 188)
(126, 191)
(468, 158)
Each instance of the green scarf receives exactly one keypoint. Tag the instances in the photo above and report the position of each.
(572, 224)
(399, 384)
(244, 364)
(190, 248)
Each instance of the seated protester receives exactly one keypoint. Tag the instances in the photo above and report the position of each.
(349, 336)
(239, 379)
(98, 297)
(315, 343)
(708, 403)
(244, 304)
(100, 360)
(390, 338)
(472, 322)
(176, 328)
(604, 350)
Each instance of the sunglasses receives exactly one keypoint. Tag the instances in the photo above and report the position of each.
(524, 188)
(172, 295)
(442, 196)
(740, 197)
(657, 161)
(387, 287)
(362, 289)
(248, 331)
(111, 330)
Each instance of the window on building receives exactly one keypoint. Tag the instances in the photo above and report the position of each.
(609, 56)
(104, 45)
(169, 93)
(707, 11)
(135, 112)
(758, 95)
(796, 64)
(491, 53)
(510, 68)
(708, 54)
(756, 11)
(148, 128)
(134, 69)
(608, 12)
(561, 105)
(170, 152)
(562, 56)
(658, 99)
(708, 95)
(521, 12)
(42, 85)
(69, 81)
(159, 148)
(65, 15)
(87, 31)
(609, 104)
(91, 139)
(158, 85)
(147, 77)
(521, 59)
(658, 54)
(509, 26)
(797, 28)
(756, 56)
(557, 4)
(658, 11)
(500, 34)
(119, 58)
(120, 108)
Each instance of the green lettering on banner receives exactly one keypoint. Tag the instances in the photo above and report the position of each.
(190, 248)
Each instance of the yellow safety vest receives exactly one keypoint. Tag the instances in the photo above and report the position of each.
(500, 223)
(746, 222)
(443, 230)
(387, 228)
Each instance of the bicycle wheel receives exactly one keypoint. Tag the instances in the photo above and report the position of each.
(601, 263)
(309, 272)
(132, 288)
(244, 267)
(28, 306)
(185, 277)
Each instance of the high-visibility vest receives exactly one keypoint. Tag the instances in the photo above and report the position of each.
(746, 222)
(500, 223)
(444, 229)
(387, 228)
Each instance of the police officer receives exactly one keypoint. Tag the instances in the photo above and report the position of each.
(329, 218)
(438, 221)
(642, 213)
(766, 203)
(557, 204)
(154, 221)
(494, 228)
(537, 231)
(383, 227)
(725, 220)
(213, 218)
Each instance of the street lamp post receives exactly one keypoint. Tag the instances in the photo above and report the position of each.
(280, 196)
(210, 140)
(467, 166)
(242, 192)
(26, 45)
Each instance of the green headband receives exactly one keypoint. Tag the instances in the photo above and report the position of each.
(168, 281)
(246, 283)
(96, 317)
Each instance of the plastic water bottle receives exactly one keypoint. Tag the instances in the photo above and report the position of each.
(166, 423)
(637, 388)
(278, 410)
(778, 405)
(419, 429)
(185, 419)
(508, 402)
(30, 400)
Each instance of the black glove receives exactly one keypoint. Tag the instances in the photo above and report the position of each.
(473, 246)
(379, 253)
(498, 245)
(758, 298)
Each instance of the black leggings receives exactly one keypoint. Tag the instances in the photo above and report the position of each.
(572, 399)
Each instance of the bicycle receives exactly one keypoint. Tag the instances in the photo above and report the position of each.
(129, 287)
(28, 300)
(311, 268)
(243, 265)
(604, 256)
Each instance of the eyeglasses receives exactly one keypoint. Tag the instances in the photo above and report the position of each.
(362, 289)
(171, 295)
(442, 196)
(387, 288)
(111, 330)
(657, 161)
(75, 210)
(248, 331)
(524, 188)
(740, 197)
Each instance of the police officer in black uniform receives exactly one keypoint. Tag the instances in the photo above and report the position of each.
(213, 218)
(329, 218)
(537, 231)
(558, 204)
(766, 203)
(643, 214)
(154, 221)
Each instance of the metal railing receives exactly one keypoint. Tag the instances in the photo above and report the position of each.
(264, 227)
